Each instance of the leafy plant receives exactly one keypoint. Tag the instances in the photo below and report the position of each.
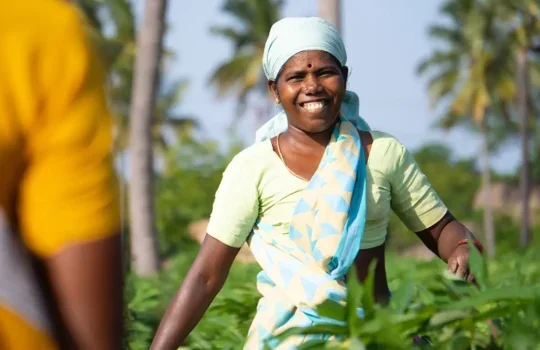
(448, 312)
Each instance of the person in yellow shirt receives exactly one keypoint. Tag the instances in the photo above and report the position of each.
(60, 252)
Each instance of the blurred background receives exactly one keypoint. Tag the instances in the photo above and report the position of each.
(456, 81)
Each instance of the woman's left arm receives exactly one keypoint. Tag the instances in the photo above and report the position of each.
(445, 239)
(419, 207)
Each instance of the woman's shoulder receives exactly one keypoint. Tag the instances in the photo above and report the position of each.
(385, 145)
(386, 154)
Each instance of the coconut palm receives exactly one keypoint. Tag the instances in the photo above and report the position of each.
(119, 49)
(472, 79)
(521, 19)
(144, 95)
(242, 73)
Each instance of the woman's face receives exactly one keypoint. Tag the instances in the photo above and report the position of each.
(310, 87)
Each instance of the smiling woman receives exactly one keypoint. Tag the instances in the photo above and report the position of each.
(311, 90)
(311, 198)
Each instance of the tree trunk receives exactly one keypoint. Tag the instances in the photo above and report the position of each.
(143, 98)
(489, 230)
(524, 179)
(331, 11)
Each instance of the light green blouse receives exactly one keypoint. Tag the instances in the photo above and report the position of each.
(256, 184)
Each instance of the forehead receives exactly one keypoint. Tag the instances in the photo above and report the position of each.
(314, 58)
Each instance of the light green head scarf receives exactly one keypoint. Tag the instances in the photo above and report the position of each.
(290, 36)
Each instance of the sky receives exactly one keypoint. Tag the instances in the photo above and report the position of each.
(385, 40)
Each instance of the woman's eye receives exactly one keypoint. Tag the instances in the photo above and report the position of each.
(295, 78)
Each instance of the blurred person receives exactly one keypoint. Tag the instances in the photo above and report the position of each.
(60, 256)
(311, 198)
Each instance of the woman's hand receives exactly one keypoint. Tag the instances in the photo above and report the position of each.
(458, 263)
(444, 239)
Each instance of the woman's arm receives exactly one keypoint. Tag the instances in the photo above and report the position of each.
(202, 283)
(443, 238)
(417, 204)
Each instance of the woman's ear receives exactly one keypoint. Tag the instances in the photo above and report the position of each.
(272, 86)
(345, 72)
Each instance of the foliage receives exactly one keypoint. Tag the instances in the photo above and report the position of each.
(242, 73)
(501, 311)
(460, 183)
(231, 312)
(426, 301)
(185, 191)
(115, 26)
(195, 179)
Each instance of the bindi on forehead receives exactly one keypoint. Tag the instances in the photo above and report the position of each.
(309, 65)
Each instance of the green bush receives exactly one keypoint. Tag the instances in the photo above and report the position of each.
(501, 311)
(231, 312)
(425, 301)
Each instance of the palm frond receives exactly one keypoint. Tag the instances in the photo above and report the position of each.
(443, 84)
(439, 60)
(231, 75)
(445, 34)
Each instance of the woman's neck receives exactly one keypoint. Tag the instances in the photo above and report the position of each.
(307, 143)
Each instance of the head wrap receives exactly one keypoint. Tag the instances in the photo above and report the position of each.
(290, 36)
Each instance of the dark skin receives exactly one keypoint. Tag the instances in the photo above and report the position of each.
(311, 76)
(83, 288)
(86, 290)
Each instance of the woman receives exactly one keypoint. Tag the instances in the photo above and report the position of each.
(311, 198)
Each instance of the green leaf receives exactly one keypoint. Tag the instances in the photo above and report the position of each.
(356, 344)
(517, 293)
(354, 293)
(368, 297)
(403, 297)
(478, 266)
(443, 318)
(336, 330)
(312, 344)
(332, 309)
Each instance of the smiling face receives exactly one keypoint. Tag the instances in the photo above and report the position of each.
(310, 87)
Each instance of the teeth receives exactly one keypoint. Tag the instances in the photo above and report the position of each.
(313, 106)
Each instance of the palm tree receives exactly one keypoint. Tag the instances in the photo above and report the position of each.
(118, 45)
(145, 87)
(521, 19)
(472, 79)
(331, 11)
(119, 48)
(242, 74)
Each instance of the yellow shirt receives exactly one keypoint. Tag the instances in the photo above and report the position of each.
(256, 184)
(57, 184)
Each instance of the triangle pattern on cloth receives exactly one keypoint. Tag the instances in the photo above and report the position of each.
(327, 230)
(309, 230)
(294, 233)
(263, 332)
(317, 254)
(286, 272)
(310, 288)
(265, 227)
(351, 158)
(336, 203)
(345, 180)
(317, 181)
(302, 207)
(269, 257)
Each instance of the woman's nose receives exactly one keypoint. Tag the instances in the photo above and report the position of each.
(312, 85)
